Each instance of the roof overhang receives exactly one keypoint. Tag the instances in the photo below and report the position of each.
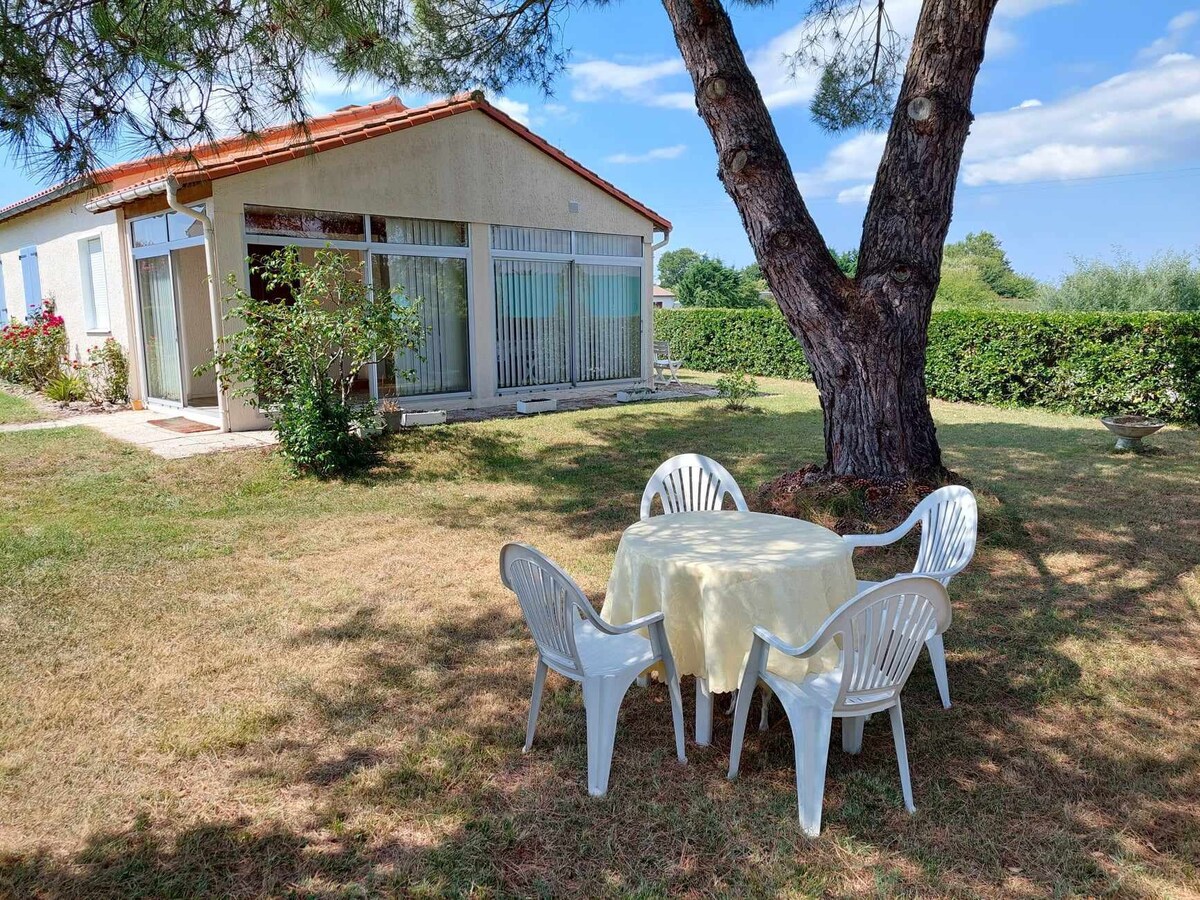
(113, 199)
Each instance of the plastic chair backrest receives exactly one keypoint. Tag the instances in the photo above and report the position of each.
(550, 600)
(691, 483)
(949, 528)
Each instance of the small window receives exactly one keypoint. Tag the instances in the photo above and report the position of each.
(591, 244)
(150, 231)
(421, 232)
(530, 240)
(181, 227)
(304, 223)
(95, 284)
(32, 276)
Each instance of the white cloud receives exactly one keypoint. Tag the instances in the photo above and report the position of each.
(1145, 118)
(859, 193)
(515, 108)
(1178, 30)
(601, 79)
(658, 153)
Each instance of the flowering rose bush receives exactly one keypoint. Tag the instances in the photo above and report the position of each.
(31, 352)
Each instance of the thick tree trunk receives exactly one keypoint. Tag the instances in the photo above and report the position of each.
(864, 339)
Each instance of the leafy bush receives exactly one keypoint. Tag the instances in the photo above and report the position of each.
(31, 353)
(1084, 363)
(107, 373)
(66, 387)
(735, 389)
(982, 252)
(961, 287)
(298, 360)
(1169, 282)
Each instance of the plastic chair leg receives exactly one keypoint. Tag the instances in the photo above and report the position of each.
(704, 712)
(852, 734)
(539, 682)
(740, 714)
(676, 707)
(811, 729)
(902, 756)
(937, 657)
(602, 702)
(766, 707)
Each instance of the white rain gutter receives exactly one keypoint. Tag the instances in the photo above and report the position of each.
(119, 198)
(171, 186)
(666, 240)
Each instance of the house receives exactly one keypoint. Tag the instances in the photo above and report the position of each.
(534, 273)
(664, 298)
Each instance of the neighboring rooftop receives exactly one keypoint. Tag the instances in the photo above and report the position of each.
(122, 183)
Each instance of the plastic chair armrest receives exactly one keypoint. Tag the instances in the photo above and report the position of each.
(628, 627)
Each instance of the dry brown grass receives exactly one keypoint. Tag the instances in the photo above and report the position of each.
(218, 680)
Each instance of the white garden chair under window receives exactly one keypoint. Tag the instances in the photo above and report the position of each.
(574, 641)
(666, 369)
(949, 520)
(691, 483)
(881, 632)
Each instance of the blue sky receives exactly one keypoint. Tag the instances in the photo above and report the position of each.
(1086, 139)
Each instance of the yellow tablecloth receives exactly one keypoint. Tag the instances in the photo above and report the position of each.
(715, 575)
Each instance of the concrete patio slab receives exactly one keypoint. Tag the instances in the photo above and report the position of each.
(133, 427)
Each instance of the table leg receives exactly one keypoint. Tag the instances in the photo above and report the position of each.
(704, 712)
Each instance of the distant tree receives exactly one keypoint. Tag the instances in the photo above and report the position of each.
(673, 264)
(983, 251)
(710, 282)
(847, 261)
(1170, 282)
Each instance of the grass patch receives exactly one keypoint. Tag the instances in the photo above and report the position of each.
(16, 410)
(216, 679)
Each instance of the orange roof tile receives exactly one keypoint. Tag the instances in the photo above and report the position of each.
(349, 125)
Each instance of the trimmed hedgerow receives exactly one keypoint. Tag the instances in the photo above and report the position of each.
(1087, 363)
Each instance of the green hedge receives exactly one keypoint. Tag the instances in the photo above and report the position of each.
(1087, 363)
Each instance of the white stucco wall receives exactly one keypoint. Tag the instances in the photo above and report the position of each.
(56, 230)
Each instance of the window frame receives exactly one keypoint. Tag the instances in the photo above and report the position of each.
(93, 322)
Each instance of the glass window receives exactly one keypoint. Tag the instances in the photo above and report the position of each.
(423, 232)
(149, 231)
(530, 240)
(439, 288)
(591, 244)
(304, 223)
(608, 322)
(533, 302)
(95, 286)
(181, 227)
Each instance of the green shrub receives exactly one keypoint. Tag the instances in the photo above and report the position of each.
(735, 389)
(108, 373)
(299, 360)
(961, 287)
(1083, 363)
(31, 353)
(1169, 283)
(66, 387)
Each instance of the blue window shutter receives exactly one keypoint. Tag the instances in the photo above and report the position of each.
(33, 281)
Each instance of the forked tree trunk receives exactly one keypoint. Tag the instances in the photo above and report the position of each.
(864, 338)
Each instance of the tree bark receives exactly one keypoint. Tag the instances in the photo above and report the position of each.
(864, 339)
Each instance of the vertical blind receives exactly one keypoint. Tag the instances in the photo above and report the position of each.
(532, 322)
(439, 288)
(608, 328)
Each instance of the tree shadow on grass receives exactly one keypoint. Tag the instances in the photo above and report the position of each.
(1058, 769)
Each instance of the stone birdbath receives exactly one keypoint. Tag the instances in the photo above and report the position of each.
(1131, 429)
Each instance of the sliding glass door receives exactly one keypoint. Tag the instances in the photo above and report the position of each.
(439, 288)
(608, 327)
(533, 316)
(160, 329)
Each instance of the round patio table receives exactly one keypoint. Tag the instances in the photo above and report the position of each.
(715, 575)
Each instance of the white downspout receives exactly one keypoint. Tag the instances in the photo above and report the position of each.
(214, 293)
(666, 240)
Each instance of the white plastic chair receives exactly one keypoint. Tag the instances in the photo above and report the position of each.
(881, 631)
(949, 520)
(666, 370)
(575, 642)
(690, 482)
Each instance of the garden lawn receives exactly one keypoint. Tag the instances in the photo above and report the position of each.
(15, 410)
(216, 679)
